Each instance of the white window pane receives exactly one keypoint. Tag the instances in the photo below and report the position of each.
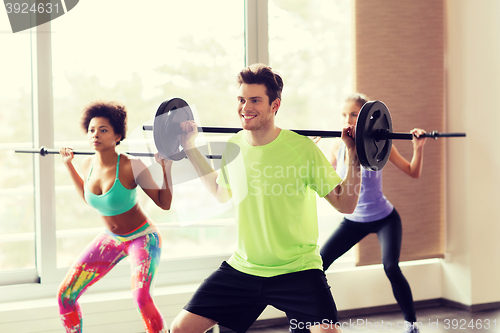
(17, 237)
(310, 44)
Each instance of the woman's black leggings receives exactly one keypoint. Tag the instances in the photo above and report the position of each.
(389, 232)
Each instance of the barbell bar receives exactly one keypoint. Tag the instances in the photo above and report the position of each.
(43, 151)
(373, 138)
(328, 134)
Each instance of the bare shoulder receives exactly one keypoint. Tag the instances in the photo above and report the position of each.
(132, 163)
(87, 162)
(126, 158)
(130, 160)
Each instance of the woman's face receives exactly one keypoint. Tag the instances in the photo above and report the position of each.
(350, 113)
(101, 134)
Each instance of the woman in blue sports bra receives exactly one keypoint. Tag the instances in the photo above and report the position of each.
(375, 214)
(110, 186)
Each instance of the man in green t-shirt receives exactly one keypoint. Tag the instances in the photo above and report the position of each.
(272, 175)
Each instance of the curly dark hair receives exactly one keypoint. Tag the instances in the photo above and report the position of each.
(113, 111)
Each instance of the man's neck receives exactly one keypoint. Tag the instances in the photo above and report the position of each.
(262, 137)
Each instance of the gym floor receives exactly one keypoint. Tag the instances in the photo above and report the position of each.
(433, 320)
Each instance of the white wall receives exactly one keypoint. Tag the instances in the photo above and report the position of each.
(472, 273)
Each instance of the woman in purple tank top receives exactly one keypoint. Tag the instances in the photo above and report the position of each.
(375, 214)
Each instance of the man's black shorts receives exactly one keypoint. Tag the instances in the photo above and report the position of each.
(235, 299)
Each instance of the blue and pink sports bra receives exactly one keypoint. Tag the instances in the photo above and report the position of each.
(116, 201)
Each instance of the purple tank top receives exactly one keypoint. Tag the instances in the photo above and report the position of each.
(372, 204)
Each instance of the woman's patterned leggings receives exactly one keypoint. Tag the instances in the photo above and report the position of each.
(143, 245)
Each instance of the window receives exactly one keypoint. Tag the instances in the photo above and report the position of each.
(141, 54)
(310, 44)
(17, 238)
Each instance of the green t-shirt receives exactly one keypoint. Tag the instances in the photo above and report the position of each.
(274, 192)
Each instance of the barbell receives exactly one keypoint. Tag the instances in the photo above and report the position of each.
(373, 132)
(373, 137)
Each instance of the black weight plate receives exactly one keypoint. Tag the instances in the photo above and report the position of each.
(166, 129)
(373, 153)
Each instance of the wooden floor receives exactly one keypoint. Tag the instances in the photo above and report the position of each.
(432, 320)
